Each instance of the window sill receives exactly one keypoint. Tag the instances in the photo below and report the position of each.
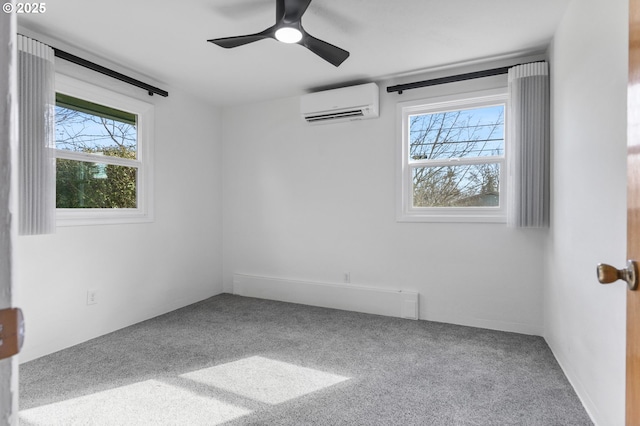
(68, 217)
(451, 215)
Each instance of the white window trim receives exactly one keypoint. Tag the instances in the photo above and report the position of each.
(145, 126)
(405, 211)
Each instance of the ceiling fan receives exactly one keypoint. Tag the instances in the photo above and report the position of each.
(288, 29)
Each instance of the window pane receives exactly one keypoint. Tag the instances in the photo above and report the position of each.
(95, 185)
(476, 132)
(473, 185)
(83, 126)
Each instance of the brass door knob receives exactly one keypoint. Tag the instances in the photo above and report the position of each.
(11, 332)
(608, 274)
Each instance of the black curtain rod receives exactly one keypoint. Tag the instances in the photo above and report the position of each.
(111, 73)
(451, 79)
(443, 80)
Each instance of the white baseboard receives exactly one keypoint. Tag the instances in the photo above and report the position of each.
(369, 300)
(489, 324)
(590, 407)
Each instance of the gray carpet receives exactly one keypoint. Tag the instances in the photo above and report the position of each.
(241, 361)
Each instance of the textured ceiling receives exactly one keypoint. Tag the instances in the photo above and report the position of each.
(166, 40)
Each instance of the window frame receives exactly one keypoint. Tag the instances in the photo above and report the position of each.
(144, 160)
(405, 211)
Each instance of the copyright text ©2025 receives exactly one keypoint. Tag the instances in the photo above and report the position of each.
(24, 8)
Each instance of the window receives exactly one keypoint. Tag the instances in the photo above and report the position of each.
(103, 155)
(452, 159)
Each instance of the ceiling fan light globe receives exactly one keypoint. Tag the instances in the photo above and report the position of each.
(288, 35)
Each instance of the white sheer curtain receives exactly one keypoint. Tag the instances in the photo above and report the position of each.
(36, 98)
(528, 154)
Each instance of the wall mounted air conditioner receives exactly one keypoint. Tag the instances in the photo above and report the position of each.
(344, 104)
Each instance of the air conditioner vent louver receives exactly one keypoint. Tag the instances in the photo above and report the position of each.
(335, 115)
(344, 104)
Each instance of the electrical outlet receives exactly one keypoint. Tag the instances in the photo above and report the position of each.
(347, 277)
(92, 297)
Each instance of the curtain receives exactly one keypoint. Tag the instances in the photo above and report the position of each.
(528, 154)
(36, 166)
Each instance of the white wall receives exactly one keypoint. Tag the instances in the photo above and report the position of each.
(139, 270)
(585, 321)
(312, 202)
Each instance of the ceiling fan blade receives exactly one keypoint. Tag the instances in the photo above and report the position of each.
(229, 42)
(328, 52)
(280, 10)
(294, 9)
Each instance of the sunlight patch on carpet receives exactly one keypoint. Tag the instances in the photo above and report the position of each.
(145, 403)
(265, 380)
